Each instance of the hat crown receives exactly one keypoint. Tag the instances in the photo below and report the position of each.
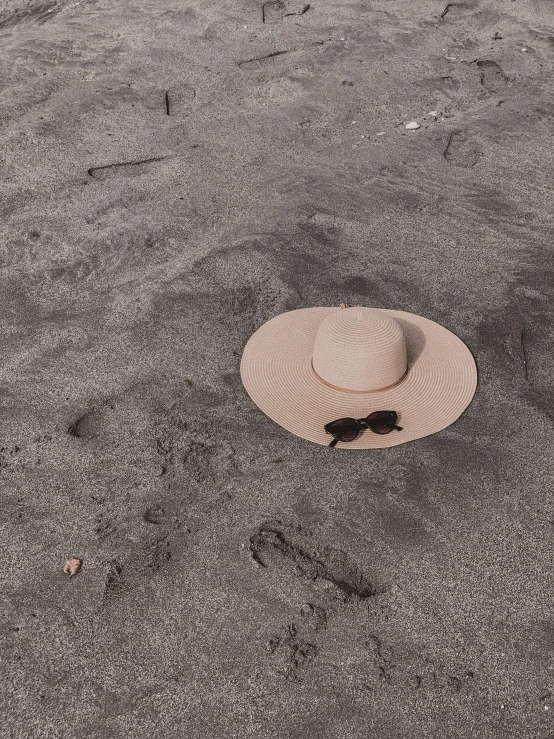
(360, 349)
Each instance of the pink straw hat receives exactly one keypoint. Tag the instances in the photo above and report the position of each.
(308, 367)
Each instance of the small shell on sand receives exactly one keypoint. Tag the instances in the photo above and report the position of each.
(412, 125)
(72, 566)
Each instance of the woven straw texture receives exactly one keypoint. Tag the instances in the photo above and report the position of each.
(307, 367)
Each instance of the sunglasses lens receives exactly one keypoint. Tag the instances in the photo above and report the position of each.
(345, 429)
(382, 429)
(382, 422)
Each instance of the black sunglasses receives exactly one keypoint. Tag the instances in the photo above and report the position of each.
(348, 429)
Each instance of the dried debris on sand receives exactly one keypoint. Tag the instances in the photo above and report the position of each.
(72, 566)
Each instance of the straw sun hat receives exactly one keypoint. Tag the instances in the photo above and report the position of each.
(309, 367)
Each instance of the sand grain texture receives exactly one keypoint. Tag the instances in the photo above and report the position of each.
(173, 176)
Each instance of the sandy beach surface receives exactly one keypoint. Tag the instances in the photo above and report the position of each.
(172, 176)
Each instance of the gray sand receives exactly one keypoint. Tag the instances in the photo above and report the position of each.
(238, 581)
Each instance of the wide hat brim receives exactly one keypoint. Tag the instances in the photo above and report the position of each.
(276, 370)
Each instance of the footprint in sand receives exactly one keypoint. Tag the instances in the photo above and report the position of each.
(492, 75)
(461, 150)
(87, 426)
(284, 546)
(137, 567)
(278, 544)
(295, 645)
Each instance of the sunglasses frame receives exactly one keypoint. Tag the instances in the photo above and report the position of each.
(359, 422)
